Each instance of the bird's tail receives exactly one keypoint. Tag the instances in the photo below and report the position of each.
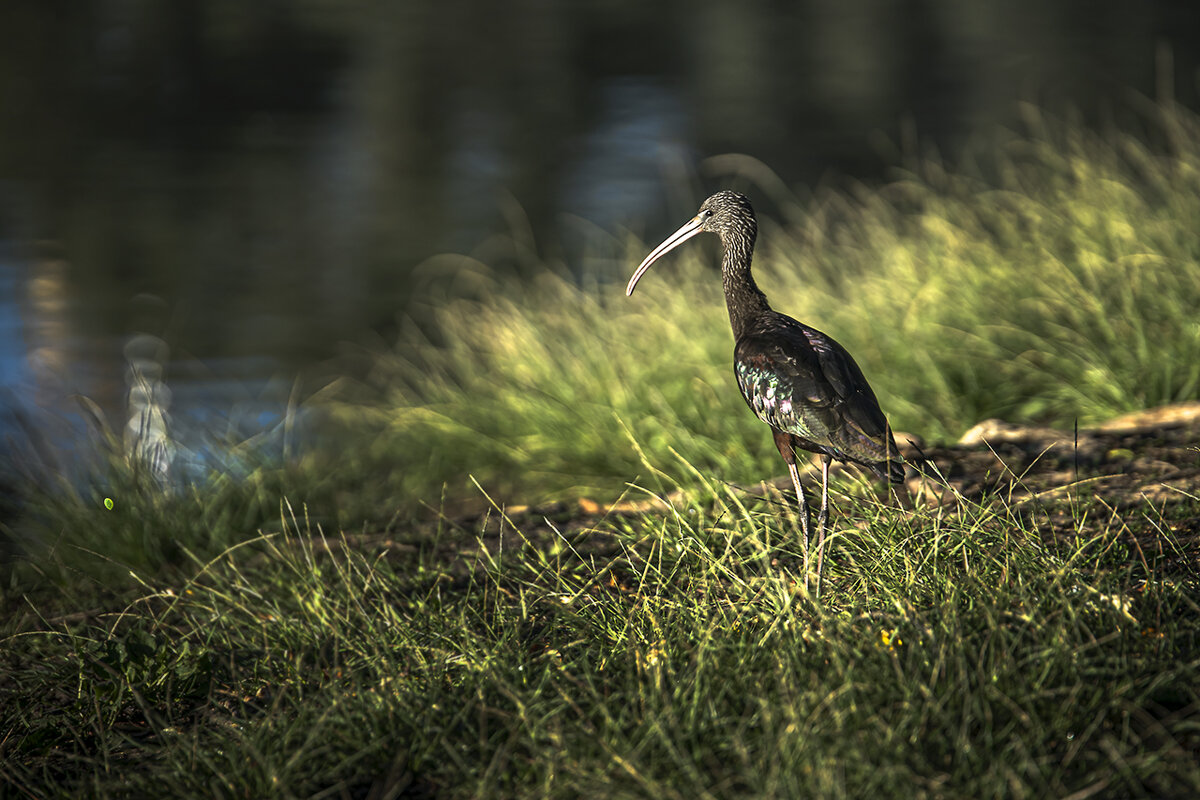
(892, 467)
(891, 470)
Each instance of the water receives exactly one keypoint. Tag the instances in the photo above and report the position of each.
(201, 202)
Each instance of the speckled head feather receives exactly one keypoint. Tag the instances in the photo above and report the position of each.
(730, 216)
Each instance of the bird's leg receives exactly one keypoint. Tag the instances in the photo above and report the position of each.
(822, 517)
(783, 441)
(803, 504)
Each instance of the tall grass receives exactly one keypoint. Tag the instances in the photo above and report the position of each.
(984, 650)
(1064, 286)
(954, 656)
(1054, 280)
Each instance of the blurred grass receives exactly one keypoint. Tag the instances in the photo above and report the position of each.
(165, 648)
(1052, 278)
(1060, 287)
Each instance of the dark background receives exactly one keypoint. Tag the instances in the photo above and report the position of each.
(254, 184)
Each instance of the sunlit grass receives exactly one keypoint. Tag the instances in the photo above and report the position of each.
(217, 640)
(1062, 288)
(954, 655)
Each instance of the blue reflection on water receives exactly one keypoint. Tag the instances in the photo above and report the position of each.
(61, 411)
(636, 142)
(12, 354)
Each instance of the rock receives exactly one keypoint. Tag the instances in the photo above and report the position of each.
(1150, 419)
(996, 431)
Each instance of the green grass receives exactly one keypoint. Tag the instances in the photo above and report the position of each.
(673, 656)
(1060, 287)
(215, 643)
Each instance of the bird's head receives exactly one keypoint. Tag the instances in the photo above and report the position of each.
(727, 214)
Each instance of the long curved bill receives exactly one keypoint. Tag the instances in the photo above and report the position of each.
(689, 229)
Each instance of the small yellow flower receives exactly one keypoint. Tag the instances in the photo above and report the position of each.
(890, 639)
(651, 657)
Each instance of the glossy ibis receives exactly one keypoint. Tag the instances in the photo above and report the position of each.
(794, 378)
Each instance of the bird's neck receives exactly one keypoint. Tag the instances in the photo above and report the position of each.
(742, 295)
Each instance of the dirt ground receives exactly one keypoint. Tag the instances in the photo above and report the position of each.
(1139, 472)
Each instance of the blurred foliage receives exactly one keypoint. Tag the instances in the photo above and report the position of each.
(1052, 280)
(978, 650)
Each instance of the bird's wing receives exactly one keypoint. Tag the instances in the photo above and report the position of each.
(801, 381)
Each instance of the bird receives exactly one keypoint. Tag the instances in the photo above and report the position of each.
(796, 379)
